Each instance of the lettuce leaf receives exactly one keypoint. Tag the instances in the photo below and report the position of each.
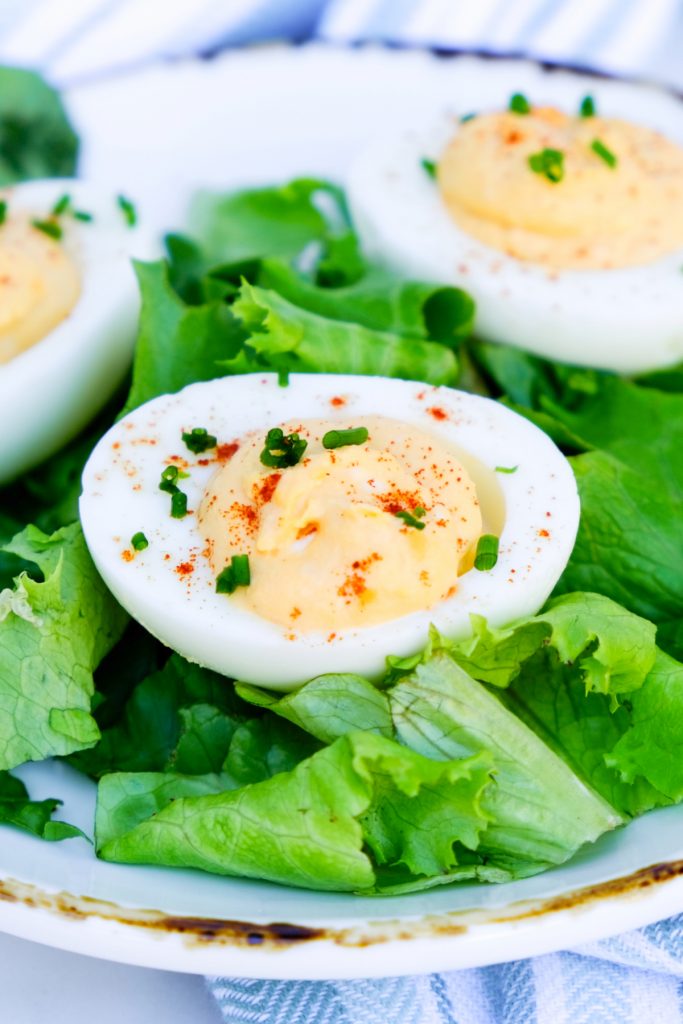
(273, 221)
(34, 816)
(283, 336)
(53, 633)
(36, 138)
(309, 827)
(628, 438)
(178, 343)
(181, 717)
(586, 676)
(379, 300)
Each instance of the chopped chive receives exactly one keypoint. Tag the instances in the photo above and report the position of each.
(62, 205)
(199, 440)
(128, 210)
(506, 469)
(237, 574)
(168, 480)
(549, 163)
(3, 211)
(519, 104)
(467, 117)
(341, 438)
(49, 228)
(601, 150)
(429, 166)
(281, 451)
(587, 108)
(178, 504)
(83, 216)
(487, 552)
(412, 519)
(139, 541)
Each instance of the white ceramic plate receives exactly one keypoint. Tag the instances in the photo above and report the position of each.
(256, 117)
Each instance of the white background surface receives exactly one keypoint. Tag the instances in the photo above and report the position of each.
(39, 984)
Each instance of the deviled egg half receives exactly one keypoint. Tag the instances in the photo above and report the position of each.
(276, 533)
(555, 199)
(69, 305)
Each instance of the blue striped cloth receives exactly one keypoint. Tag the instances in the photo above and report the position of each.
(635, 978)
(75, 41)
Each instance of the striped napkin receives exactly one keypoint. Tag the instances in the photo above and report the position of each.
(635, 978)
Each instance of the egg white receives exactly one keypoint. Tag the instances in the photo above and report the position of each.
(627, 320)
(52, 389)
(121, 497)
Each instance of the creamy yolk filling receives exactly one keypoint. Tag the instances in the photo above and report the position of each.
(39, 285)
(596, 216)
(326, 548)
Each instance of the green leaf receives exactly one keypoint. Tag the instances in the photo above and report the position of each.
(277, 221)
(630, 540)
(282, 335)
(586, 677)
(539, 813)
(52, 636)
(178, 344)
(651, 747)
(378, 300)
(125, 800)
(34, 816)
(309, 826)
(36, 138)
(206, 732)
(181, 717)
(329, 706)
(263, 747)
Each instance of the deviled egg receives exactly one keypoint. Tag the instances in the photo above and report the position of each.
(275, 533)
(69, 305)
(559, 208)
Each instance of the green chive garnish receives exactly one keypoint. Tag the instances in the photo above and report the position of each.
(168, 479)
(128, 210)
(281, 451)
(199, 440)
(506, 469)
(49, 228)
(139, 541)
(487, 552)
(82, 215)
(519, 104)
(412, 519)
(340, 438)
(587, 108)
(467, 117)
(178, 504)
(429, 166)
(549, 163)
(601, 150)
(283, 378)
(237, 574)
(3, 210)
(61, 206)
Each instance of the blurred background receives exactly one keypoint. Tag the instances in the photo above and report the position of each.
(75, 40)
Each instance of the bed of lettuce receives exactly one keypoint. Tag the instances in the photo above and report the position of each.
(489, 759)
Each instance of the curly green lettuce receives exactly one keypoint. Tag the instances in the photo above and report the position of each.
(53, 634)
